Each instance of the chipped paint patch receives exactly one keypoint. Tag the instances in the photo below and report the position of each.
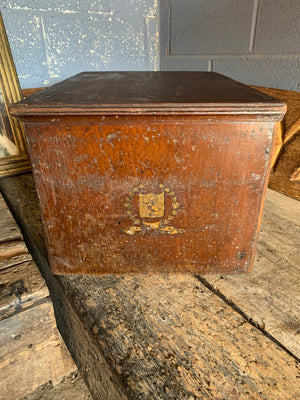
(60, 40)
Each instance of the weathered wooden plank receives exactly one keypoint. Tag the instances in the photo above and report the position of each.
(270, 295)
(158, 337)
(12, 249)
(170, 337)
(99, 374)
(13, 253)
(285, 207)
(70, 387)
(8, 228)
(30, 351)
(20, 287)
(30, 213)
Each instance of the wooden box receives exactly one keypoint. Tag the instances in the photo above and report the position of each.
(150, 171)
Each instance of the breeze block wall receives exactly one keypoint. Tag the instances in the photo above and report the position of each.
(254, 41)
(52, 40)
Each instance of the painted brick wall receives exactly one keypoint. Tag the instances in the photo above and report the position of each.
(54, 39)
(253, 41)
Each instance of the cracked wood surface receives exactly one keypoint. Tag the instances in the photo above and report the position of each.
(169, 337)
(270, 295)
(21, 284)
(31, 349)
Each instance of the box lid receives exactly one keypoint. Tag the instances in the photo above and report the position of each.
(101, 93)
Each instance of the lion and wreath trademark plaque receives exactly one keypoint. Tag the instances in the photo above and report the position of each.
(150, 172)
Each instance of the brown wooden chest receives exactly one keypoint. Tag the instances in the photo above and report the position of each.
(150, 171)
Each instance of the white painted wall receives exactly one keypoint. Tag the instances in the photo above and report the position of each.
(54, 39)
(253, 41)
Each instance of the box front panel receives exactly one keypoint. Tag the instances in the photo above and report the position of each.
(156, 195)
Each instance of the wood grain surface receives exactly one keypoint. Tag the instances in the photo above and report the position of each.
(31, 352)
(274, 281)
(292, 99)
(168, 337)
(31, 349)
(21, 284)
(9, 228)
(212, 177)
(21, 287)
(150, 172)
(148, 92)
(288, 164)
(12, 253)
(285, 174)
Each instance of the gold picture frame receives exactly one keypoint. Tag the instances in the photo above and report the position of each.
(13, 150)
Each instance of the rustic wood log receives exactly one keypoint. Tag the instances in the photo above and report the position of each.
(160, 337)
